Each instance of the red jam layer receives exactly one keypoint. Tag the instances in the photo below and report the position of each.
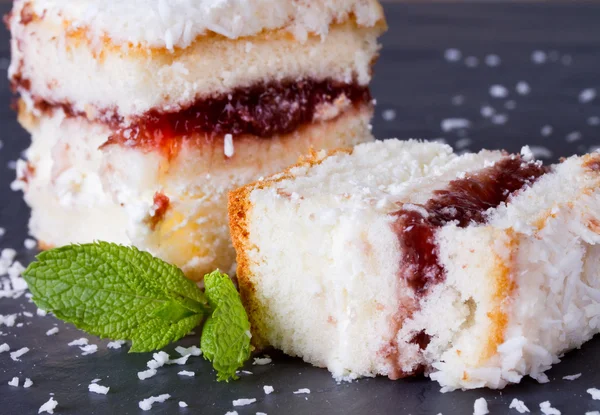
(263, 110)
(464, 201)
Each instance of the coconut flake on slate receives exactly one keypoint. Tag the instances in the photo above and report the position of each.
(52, 331)
(4, 347)
(480, 407)
(587, 95)
(27, 314)
(48, 406)
(522, 88)
(492, 60)
(572, 377)
(573, 136)
(546, 130)
(388, 115)
(487, 111)
(499, 119)
(193, 350)
(547, 409)
(146, 374)
(243, 401)
(88, 349)
(519, 406)
(231, 413)
(79, 342)
(450, 124)
(261, 413)
(498, 91)
(303, 390)
(116, 344)
(538, 57)
(452, 55)
(592, 413)
(543, 152)
(29, 243)
(17, 354)
(159, 359)
(182, 404)
(41, 313)
(96, 388)
(8, 320)
(180, 361)
(146, 404)
(14, 382)
(186, 373)
(268, 389)
(595, 393)
(28, 382)
(260, 361)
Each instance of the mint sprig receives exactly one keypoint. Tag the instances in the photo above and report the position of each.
(123, 293)
(226, 334)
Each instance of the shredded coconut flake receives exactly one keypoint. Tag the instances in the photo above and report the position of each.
(183, 351)
(28, 382)
(519, 406)
(94, 387)
(303, 390)
(88, 349)
(450, 124)
(159, 359)
(52, 331)
(17, 354)
(260, 361)
(587, 95)
(116, 344)
(498, 91)
(492, 60)
(4, 347)
(29, 243)
(41, 313)
(228, 145)
(8, 320)
(48, 406)
(572, 377)
(480, 407)
(146, 374)
(538, 57)
(146, 404)
(389, 115)
(547, 409)
(595, 393)
(243, 402)
(79, 342)
(523, 88)
(14, 382)
(182, 404)
(452, 55)
(186, 373)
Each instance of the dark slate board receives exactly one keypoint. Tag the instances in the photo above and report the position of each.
(414, 79)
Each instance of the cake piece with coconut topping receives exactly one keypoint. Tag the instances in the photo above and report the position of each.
(399, 257)
(144, 114)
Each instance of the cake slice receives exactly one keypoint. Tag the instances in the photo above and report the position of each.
(144, 114)
(399, 257)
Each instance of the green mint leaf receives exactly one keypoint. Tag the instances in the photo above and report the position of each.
(117, 292)
(226, 333)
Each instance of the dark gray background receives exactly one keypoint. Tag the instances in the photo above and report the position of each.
(414, 79)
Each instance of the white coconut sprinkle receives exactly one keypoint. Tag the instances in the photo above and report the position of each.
(29, 243)
(96, 380)
(193, 351)
(587, 95)
(301, 391)
(186, 373)
(52, 331)
(159, 359)
(498, 91)
(573, 136)
(88, 349)
(572, 377)
(243, 402)
(78, 342)
(41, 313)
(228, 145)
(499, 119)
(17, 354)
(450, 124)
(538, 57)
(99, 389)
(595, 393)
(231, 413)
(547, 409)
(389, 115)
(540, 152)
(182, 404)
(180, 361)
(2, 232)
(116, 344)
(27, 314)
(28, 382)
(261, 361)
(8, 320)
(546, 130)
(268, 389)
(523, 88)
(471, 61)
(492, 60)
(452, 55)
(146, 404)
(14, 382)
(48, 406)
(480, 407)
(4, 347)
(519, 406)
(593, 120)
(592, 413)
(261, 413)
(145, 374)
(487, 111)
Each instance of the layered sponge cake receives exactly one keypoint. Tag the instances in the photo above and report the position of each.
(399, 257)
(143, 114)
